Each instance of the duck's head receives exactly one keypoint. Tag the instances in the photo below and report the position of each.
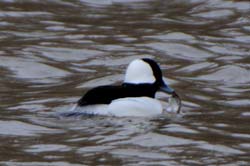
(147, 71)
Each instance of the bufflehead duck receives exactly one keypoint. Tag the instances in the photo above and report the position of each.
(135, 97)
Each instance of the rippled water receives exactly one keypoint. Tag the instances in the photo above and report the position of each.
(51, 52)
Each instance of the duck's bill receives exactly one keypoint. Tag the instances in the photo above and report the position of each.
(174, 100)
(165, 88)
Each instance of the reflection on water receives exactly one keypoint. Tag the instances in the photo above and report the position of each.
(53, 51)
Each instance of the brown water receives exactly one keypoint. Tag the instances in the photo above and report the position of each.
(51, 52)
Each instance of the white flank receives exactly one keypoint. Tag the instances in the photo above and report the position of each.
(136, 106)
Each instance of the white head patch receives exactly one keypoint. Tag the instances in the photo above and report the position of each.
(139, 72)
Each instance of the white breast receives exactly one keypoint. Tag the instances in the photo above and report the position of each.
(130, 106)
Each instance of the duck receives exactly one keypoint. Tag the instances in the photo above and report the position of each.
(134, 97)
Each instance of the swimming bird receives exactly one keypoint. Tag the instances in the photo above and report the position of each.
(134, 97)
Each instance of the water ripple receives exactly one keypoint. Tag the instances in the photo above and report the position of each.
(54, 51)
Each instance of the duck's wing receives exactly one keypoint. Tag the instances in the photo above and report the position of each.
(100, 95)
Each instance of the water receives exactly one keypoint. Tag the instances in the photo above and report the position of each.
(51, 52)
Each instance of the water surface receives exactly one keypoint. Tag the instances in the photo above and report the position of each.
(51, 52)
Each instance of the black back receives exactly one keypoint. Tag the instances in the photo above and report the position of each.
(105, 94)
